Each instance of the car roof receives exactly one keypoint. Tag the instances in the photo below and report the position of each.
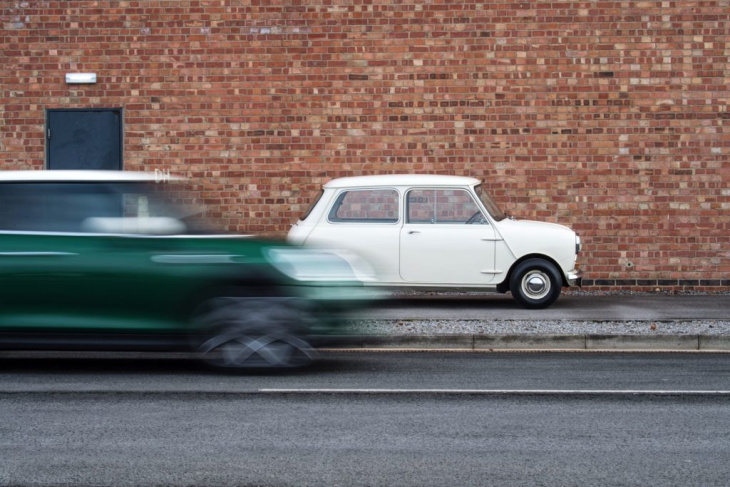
(402, 180)
(80, 176)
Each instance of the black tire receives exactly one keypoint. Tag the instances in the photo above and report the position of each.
(255, 332)
(535, 284)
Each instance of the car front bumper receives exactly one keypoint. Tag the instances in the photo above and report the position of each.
(575, 278)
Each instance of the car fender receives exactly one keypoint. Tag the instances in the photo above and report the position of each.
(521, 238)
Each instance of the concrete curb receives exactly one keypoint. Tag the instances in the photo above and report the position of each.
(682, 343)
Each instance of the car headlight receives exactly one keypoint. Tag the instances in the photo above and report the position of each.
(321, 265)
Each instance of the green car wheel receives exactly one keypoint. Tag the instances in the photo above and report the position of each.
(241, 332)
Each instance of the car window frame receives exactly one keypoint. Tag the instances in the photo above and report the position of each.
(312, 205)
(340, 195)
(480, 207)
(497, 218)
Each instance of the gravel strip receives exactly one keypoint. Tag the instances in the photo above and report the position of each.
(561, 327)
(567, 292)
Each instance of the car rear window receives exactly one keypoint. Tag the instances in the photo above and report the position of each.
(365, 206)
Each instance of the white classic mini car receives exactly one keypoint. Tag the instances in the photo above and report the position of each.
(437, 232)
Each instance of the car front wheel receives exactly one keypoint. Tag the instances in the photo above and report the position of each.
(535, 284)
(255, 332)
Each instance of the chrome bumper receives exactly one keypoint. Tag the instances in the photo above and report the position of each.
(575, 278)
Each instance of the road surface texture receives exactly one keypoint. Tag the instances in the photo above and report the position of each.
(370, 419)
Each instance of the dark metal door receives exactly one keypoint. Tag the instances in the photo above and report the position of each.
(84, 139)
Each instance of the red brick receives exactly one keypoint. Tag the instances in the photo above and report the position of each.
(611, 117)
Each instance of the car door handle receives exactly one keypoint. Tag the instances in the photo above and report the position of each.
(411, 232)
(491, 239)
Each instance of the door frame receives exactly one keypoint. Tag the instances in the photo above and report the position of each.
(119, 110)
(485, 245)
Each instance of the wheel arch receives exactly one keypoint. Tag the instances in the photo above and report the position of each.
(503, 286)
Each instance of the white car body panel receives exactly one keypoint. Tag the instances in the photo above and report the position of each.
(376, 243)
(526, 237)
(478, 256)
(472, 265)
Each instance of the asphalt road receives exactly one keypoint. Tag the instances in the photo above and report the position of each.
(384, 370)
(384, 419)
(568, 307)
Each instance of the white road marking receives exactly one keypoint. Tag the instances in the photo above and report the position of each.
(372, 392)
(497, 392)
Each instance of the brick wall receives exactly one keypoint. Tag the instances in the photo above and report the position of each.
(609, 116)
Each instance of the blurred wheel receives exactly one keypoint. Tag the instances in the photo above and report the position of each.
(256, 332)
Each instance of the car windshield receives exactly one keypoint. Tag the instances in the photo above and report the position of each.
(489, 203)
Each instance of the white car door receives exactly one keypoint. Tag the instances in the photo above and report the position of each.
(446, 239)
(366, 221)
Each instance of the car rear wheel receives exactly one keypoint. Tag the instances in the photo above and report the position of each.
(256, 332)
(535, 284)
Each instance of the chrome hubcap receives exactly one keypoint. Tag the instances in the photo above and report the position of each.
(536, 284)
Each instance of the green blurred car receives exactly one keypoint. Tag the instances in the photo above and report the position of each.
(98, 260)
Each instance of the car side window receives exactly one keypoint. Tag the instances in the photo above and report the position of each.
(442, 206)
(365, 206)
(52, 207)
